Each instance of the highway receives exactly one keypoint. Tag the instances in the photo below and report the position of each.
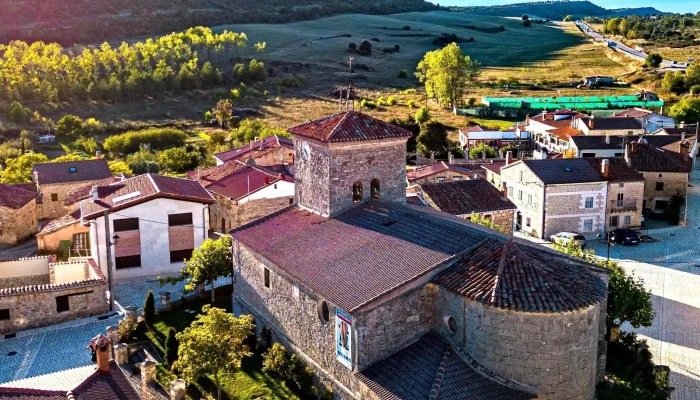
(666, 65)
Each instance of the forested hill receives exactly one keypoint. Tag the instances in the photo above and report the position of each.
(555, 10)
(86, 21)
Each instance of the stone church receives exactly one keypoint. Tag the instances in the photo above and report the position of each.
(386, 300)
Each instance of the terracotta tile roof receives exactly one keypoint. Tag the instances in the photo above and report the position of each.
(430, 369)
(84, 191)
(618, 170)
(15, 197)
(516, 277)
(31, 186)
(72, 171)
(475, 128)
(675, 146)
(416, 201)
(548, 118)
(618, 123)
(60, 222)
(255, 149)
(434, 169)
(645, 157)
(688, 131)
(562, 171)
(465, 197)
(633, 112)
(349, 126)
(141, 189)
(565, 132)
(361, 254)
(562, 123)
(667, 142)
(237, 179)
(494, 167)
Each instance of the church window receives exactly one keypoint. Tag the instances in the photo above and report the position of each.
(324, 312)
(357, 192)
(374, 188)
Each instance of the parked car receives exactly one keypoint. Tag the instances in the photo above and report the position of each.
(563, 238)
(625, 236)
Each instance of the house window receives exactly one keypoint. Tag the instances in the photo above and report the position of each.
(659, 186)
(589, 202)
(291, 201)
(628, 220)
(126, 224)
(180, 255)
(620, 199)
(266, 277)
(456, 178)
(81, 241)
(62, 304)
(374, 189)
(4, 314)
(54, 196)
(180, 219)
(441, 179)
(528, 222)
(588, 225)
(661, 175)
(357, 192)
(630, 132)
(324, 312)
(127, 262)
(529, 199)
(520, 195)
(587, 155)
(223, 224)
(621, 185)
(619, 154)
(520, 176)
(614, 221)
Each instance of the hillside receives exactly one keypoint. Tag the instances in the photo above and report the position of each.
(87, 21)
(554, 10)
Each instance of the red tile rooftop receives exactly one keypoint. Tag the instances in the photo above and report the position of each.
(348, 126)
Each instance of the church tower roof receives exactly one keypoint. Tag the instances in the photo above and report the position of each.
(349, 126)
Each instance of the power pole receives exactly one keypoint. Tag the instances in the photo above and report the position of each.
(108, 236)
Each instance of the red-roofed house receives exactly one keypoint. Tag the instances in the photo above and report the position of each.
(159, 221)
(625, 192)
(243, 192)
(69, 229)
(650, 120)
(18, 213)
(437, 173)
(271, 150)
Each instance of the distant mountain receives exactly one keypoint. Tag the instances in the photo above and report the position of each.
(555, 10)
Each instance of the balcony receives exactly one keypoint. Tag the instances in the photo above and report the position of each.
(624, 205)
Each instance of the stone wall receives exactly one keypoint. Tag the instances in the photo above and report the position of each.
(675, 183)
(18, 224)
(494, 179)
(36, 309)
(312, 177)
(21, 281)
(227, 214)
(447, 176)
(632, 192)
(51, 241)
(510, 178)
(557, 354)
(53, 209)
(565, 208)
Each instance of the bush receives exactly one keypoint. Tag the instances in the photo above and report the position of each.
(411, 104)
(422, 115)
(92, 126)
(208, 116)
(695, 90)
(352, 46)
(391, 101)
(276, 362)
(16, 112)
(178, 159)
(525, 18)
(149, 309)
(527, 23)
(365, 48)
(403, 74)
(171, 345)
(380, 102)
(410, 91)
(653, 60)
(367, 104)
(143, 161)
(265, 339)
(69, 126)
(158, 138)
(471, 101)
(88, 145)
(476, 152)
(125, 328)
(292, 81)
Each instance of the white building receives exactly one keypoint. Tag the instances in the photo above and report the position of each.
(650, 120)
(154, 223)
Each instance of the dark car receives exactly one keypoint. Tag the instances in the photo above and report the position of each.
(625, 236)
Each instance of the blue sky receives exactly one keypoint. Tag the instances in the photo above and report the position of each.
(679, 6)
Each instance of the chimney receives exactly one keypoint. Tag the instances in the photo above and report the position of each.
(505, 192)
(685, 151)
(527, 120)
(148, 374)
(682, 125)
(95, 195)
(682, 136)
(121, 354)
(101, 348)
(450, 158)
(98, 154)
(592, 122)
(178, 389)
(544, 115)
(522, 155)
(605, 168)
(607, 139)
(509, 157)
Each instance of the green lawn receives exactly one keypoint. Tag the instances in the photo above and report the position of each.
(496, 124)
(248, 383)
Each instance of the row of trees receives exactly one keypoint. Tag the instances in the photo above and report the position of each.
(667, 27)
(47, 73)
(679, 82)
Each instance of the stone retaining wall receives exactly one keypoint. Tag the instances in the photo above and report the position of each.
(20, 281)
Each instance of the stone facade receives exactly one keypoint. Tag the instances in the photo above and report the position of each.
(19, 281)
(449, 175)
(674, 183)
(494, 179)
(52, 240)
(18, 224)
(528, 196)
(501, 218)
(227, 214)
(628, 208)
(565, 208)
(54, 196)
(324, 183)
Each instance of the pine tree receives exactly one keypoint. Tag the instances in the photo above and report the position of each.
(149, 309)
(171, 346)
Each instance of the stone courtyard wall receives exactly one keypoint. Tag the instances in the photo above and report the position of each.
(54, 209)
(18, 224)
(235, 215)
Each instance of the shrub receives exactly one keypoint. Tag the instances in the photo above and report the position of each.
(391, 101)
(367, 104)
(171, 345)
(352, 46)
(158, 138)
(88, 145)
(695, 90)
(380, 102)
(410, 91)
(292, 81)
(92, 126)
(125, 328)
(471, 101)
(16, 112)
(653, 60)
(69, 126)
(406, 28)
(527, 23)
(403, 74)
(476, 152)
(422, 115)
(525, 18)
(265, 339)
(149, 309)
(178, 159)
(276, 362)
(365, 48)
(266, 93)
(208, 116)
(411, 104)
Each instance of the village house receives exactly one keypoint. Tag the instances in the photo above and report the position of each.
(625, 193)
(244, 192)
(55, 180)
(475, 136)
(552, 196)
(474, 197)
(665, 173)
(387, 300)
(269, 151)
(493, 171)
(37, 292)
(550, 131)
(154, 221)
(65, 236)
(650, 120)
(75, 196)
(614, 146)
(591, 126)
(18, 213)
(438, 172)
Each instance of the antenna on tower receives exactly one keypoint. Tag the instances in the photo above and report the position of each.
(347, 97)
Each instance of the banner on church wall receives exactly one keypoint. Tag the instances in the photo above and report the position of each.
(343, 338)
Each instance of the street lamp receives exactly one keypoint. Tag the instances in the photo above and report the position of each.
(608, 243)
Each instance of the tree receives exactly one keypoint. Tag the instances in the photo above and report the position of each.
(527, 23)
(149, 309)
(260, 46)
(211, 261)
(171, 346)
(250, 129)
(568, 18)
(687, 109)
(24, 140)
(447, 73)
(674, 82)
(69, 126)
(142, 162)
(352, 46)
(19, 170)
(432, 138)
(422, 115)
(16, 112)
(478, 151)
(692, 75)
(365, 48)
(178, 159)
(213, 345)
(208, 116)
(525, 17)
(223, 112)
(119, 167)
(71, 157)
(653, 60)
